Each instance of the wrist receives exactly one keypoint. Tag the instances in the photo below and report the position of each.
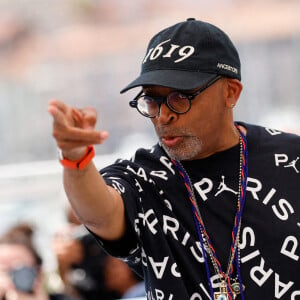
(73, 155)
(77, 163)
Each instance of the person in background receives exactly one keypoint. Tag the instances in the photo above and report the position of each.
(80, 261)
(119, 278)
(21, 274)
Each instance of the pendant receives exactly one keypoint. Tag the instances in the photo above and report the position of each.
(222, 294)
(236, 289)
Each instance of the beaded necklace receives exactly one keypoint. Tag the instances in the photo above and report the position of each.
(229, 287)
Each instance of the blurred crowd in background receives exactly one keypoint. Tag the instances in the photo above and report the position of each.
(84, 270)
(84, 52)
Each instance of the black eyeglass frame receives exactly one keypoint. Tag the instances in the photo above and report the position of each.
(164, 99)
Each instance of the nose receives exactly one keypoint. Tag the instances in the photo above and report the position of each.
(166, 115)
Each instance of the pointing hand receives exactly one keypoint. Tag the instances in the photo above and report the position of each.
(74, 129)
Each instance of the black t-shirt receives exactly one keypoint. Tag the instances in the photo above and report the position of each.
(162, 244)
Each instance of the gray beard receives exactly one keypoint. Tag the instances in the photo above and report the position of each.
(187, 150)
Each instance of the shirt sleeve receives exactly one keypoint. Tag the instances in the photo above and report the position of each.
(124, 182)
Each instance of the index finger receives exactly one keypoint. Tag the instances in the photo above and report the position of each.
(59, 105)
(58, 111)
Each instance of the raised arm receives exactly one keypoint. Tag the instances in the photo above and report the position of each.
(96, 205)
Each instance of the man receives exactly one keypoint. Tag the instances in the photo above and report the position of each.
(211, 211)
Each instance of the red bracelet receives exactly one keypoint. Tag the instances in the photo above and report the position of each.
(80, 163)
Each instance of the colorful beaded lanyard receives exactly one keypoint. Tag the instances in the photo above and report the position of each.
(227, 290)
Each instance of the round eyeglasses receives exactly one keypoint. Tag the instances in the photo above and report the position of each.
(178, 102)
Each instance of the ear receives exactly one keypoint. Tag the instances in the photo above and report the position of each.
(232, 92)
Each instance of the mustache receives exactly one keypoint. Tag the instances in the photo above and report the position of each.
(164, 131)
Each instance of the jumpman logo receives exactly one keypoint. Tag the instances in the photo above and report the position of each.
(223, 187)
(293, 164)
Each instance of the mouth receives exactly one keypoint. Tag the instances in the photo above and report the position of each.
(171, 141)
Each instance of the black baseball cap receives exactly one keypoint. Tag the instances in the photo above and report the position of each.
(186, 56)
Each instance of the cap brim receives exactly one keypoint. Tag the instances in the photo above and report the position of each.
(179, 80)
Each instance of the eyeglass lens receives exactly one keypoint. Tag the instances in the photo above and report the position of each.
(176, 101)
